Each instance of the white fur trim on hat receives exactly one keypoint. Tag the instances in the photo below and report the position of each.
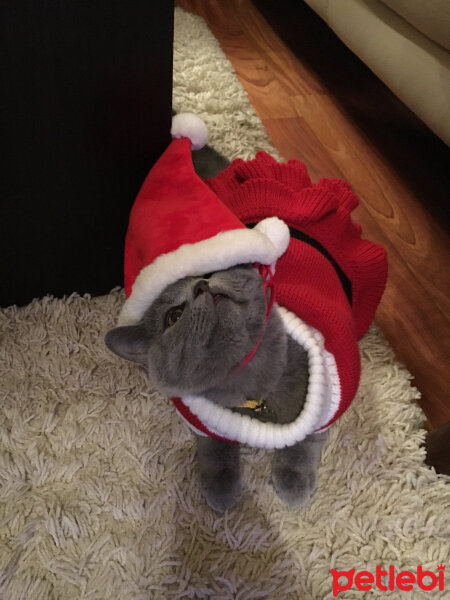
(321, 404)
(188, 125)
(277, 232)
(222, 251)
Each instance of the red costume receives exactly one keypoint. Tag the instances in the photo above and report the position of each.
(328, 281)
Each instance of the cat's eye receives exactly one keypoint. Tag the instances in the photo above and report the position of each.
(173, 316)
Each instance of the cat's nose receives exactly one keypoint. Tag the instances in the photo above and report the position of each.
(200, 287)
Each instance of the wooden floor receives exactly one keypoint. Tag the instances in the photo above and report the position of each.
(320, 104)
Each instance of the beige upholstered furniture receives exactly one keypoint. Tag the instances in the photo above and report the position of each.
(406, 43)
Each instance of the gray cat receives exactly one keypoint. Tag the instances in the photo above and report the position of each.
(191, 339)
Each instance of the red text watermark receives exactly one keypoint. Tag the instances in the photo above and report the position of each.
(388, 580)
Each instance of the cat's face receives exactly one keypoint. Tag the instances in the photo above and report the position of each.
(197, 331)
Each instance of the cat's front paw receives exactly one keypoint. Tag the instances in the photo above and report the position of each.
(221, 489)
(295, 487)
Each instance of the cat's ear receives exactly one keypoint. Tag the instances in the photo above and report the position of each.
(130, 342)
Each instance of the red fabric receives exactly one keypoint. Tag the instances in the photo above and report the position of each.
(173, 207)
(195, 421)
(306, 282)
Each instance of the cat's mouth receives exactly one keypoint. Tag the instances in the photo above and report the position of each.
(219, 298)
(217, 293)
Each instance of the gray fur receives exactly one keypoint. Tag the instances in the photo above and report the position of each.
(197, 354)
(294, 470)
(220, 472)
(221, 319)
(208, 162)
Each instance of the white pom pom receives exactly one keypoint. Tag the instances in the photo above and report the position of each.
(187, 125)
(277, 231)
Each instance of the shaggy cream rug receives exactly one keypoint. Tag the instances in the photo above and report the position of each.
(98, 492)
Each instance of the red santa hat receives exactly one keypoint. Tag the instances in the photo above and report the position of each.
(178, 227)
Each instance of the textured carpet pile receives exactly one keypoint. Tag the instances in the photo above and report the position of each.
(98, 489)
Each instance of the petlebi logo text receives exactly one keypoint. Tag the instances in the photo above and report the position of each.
(388, 579)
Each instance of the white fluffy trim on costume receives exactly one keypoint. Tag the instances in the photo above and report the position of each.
(321, 404)
(188, 125)
(263, 244)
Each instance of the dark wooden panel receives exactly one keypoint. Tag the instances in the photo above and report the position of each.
(437, 445)
(86, 110)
